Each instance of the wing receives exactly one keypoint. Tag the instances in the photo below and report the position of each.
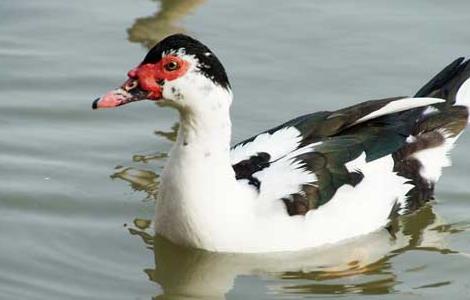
(305, 160)
(309, 128)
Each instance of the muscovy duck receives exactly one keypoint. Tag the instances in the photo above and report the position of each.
(318, 179)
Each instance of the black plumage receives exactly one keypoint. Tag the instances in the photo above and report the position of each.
(209, 64)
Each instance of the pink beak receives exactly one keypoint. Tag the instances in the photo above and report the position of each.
(109, 100)
(128, 92)
(143, 83)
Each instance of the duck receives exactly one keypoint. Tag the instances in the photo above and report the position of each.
(318, 179)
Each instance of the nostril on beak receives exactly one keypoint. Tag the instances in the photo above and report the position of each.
(160, 81)
(130, 85)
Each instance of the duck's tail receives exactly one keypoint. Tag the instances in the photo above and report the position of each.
(435, 130)
(452, 84)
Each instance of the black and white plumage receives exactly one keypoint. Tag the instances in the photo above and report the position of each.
(319, 178)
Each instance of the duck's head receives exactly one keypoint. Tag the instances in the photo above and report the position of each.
(179, 71)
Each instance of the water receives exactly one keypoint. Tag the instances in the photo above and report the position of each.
(76, 187)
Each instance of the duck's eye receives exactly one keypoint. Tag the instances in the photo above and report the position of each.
(171, 66)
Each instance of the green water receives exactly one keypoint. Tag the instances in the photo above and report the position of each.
(76, 186)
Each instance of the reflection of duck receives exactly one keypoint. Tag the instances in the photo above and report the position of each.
(318, 179)
(361, 266)
(143, 179)
(139, 179)
(149, 30)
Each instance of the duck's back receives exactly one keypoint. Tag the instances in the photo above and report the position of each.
(382, 149)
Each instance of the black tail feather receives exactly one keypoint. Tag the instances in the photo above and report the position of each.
(446, 83)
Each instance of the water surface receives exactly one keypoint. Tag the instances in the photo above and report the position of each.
(73, 182)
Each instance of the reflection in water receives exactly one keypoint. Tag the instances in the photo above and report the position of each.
(359, 266)
(139, 180)
(169, 135)
(142, 179)
(150, 30)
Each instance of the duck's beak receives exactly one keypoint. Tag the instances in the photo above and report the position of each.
(129, 92)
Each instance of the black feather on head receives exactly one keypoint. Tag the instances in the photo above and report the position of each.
(209, 64)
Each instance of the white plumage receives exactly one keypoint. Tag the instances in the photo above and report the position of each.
(433, 160)
(398, 106)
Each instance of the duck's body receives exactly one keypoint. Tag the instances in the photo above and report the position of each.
(318, 179)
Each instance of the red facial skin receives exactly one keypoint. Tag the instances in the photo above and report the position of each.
(146, 77)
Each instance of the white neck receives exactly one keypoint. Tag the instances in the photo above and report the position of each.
(194, 202)
(205, 131)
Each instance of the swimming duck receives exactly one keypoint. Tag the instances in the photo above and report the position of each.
(318, 179)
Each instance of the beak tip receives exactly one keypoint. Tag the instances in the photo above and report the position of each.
(95, 103)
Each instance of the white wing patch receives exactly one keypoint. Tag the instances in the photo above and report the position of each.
(366, 206)
(397, 185)
(434, 159)
(284, 177)
(276, 144)
(398, 106)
